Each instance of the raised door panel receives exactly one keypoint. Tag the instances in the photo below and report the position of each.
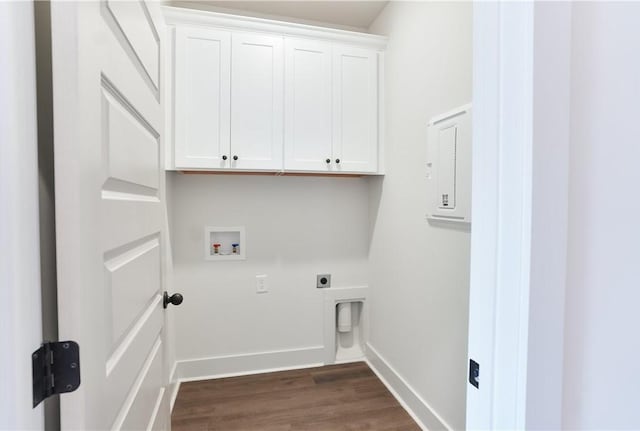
(257, 102)
(202, 98)
(307, 139)
(141, 37)
(355, 109)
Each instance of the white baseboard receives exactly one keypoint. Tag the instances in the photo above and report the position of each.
(412, 402)
(252, 363)
(349, 361)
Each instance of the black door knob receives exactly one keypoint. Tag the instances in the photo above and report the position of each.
(224, 157)
(337, 160)
(235, 157)
(328, 161)
(175, 299)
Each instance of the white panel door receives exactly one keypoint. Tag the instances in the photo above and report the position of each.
(202, 97)
(307, 105)
(256, 101)
(109, 217)
(355, 109)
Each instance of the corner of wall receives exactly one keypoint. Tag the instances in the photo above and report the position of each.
(424, 415)
(419, 271)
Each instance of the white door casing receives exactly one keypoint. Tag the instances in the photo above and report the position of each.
(520, 186)
(307, 118)
(109, 210)
(500, 204)
(256, 101)
(20, 308)
(202, 97)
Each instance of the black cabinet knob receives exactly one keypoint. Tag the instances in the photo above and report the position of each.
(337, 160)
(235, 157)
(328, 161)
(224, 157)
(175, 299)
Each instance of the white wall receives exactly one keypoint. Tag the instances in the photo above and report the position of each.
(169, 287)
(20, 306)
(602, 345)
(419, 273)
(296, 227)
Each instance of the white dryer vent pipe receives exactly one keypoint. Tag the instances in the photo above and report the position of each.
(344, 317)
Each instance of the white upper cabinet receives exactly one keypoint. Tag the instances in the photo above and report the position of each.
(355, 109)
(256, 102)
(308, 134)
(257, 95)
(202, 97)
(331, 107)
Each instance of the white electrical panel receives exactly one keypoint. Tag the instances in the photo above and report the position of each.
(449, 166)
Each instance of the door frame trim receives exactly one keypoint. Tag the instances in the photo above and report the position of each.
(518, 241)
(20, 308)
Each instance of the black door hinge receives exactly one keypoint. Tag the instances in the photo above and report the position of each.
(56, 369)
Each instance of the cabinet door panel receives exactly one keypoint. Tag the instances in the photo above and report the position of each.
(256, 102)
(355, 109)
(307, 105)
(202, 97)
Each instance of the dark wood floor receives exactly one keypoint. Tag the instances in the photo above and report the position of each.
(336, 397)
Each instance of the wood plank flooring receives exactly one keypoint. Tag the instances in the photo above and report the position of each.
(332, 398)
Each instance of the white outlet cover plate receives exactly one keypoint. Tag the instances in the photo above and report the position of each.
(261, 284)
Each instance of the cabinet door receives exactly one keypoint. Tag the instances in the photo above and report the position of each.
(355, 109)
(307, 106)
(202, 98)
(256, 102)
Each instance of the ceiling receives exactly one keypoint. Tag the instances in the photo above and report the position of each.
(357, 15)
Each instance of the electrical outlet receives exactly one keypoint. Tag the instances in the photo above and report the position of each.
(323, 280)
(261, 284)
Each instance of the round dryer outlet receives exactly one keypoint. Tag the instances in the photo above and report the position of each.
(323, 280)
